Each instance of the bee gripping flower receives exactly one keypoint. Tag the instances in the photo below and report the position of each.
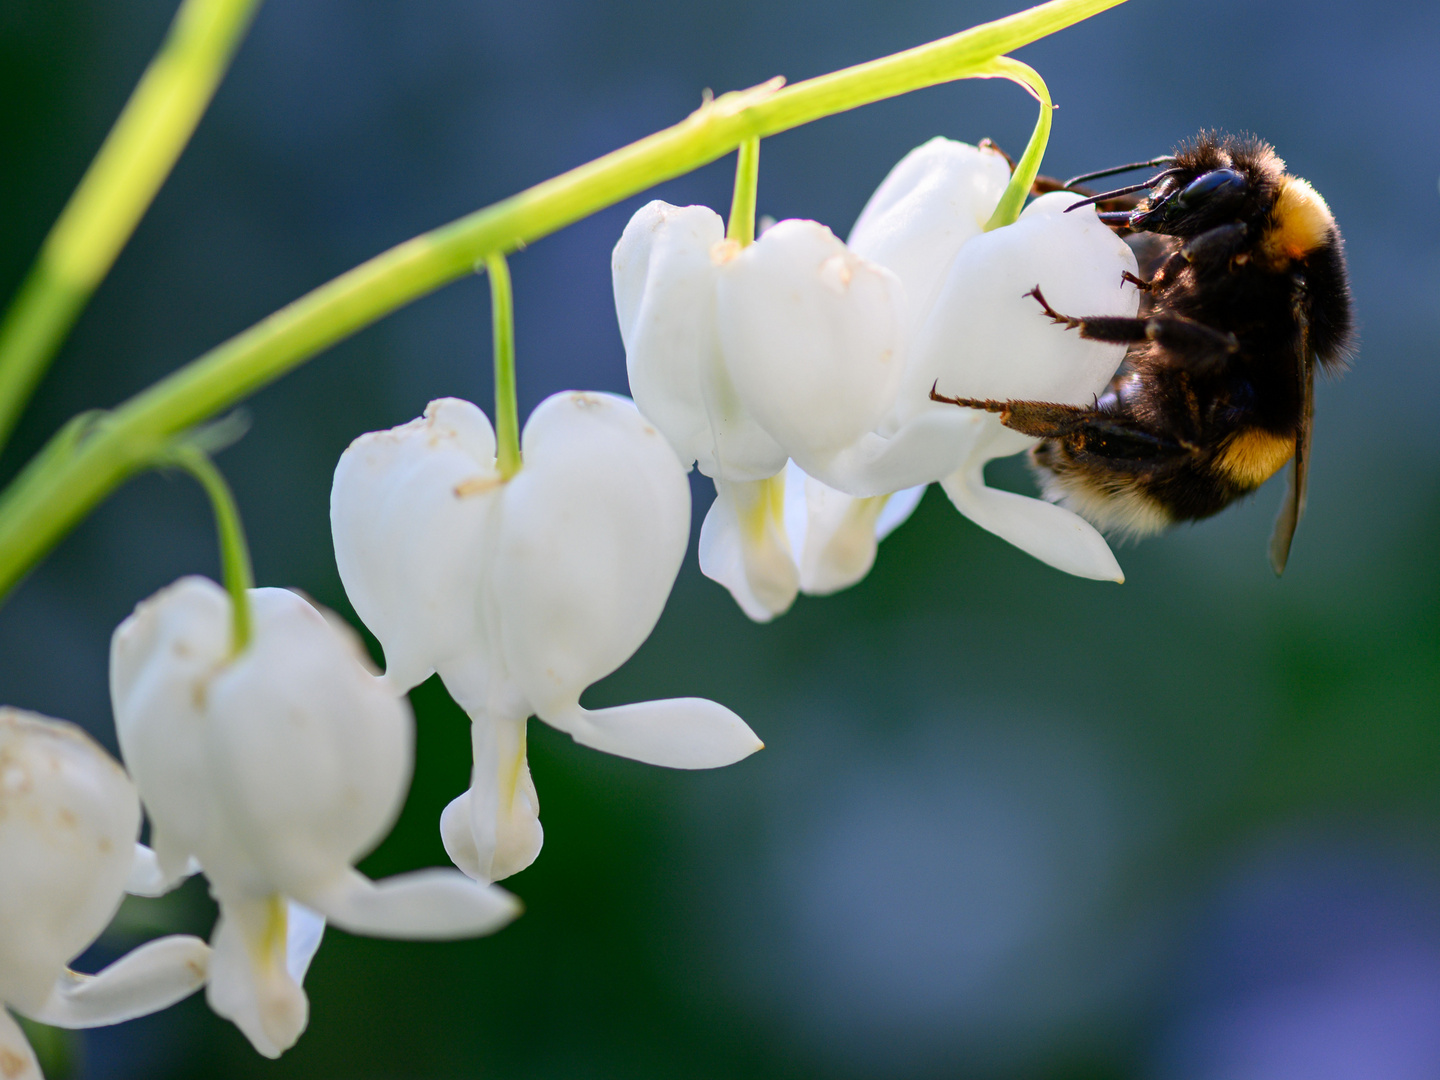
(522, 593)
(69, 817)
(275, 770)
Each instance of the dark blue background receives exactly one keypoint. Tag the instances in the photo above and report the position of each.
(1007, 824)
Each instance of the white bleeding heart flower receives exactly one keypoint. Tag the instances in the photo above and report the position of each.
(767, 541)
(274, 770)
(977, 334)
(69, 817)
(799, 347)
(520, 593)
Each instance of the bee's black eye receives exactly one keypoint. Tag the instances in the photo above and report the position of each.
(1218, 185)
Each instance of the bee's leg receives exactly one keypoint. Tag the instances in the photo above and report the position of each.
(1139, 282)
(1198, 345)
(1082, 427)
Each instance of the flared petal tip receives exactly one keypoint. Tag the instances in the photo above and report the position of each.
(678, 733)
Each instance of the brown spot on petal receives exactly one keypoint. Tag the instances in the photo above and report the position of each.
(11, 1063)
(478, 485)
(105, 845)
(722, 252)
(196, 969)
(66, 818)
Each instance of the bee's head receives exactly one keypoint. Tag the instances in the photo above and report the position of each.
(1214, 180)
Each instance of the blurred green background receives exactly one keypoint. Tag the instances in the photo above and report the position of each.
(1008, 824)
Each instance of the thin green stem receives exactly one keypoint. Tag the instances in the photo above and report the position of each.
(741, 227)
(507, 412)
(235, 565)
(1023, 178)
(58, 489)
(115, 191)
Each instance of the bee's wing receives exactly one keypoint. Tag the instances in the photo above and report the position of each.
(1293, 507)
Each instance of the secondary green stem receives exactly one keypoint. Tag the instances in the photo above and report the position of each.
(133, 162)
(741, 227)
(507, 412)
(63, 484)
(235, 565)
(1012, 201)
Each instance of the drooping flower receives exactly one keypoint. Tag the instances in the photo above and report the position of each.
(275, 770)
(520, 593)
(976, 332)
(69, 818)
(802, 348)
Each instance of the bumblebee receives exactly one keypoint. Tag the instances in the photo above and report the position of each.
(1216, 393)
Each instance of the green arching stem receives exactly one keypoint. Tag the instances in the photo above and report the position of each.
(741, 227)
(235, 565)
(115, 191)
(59, 487)
(1028, 167)
(507, 412)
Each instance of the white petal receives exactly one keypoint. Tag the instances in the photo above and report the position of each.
(593, 531)
(743, 546)
(1050, 533)
(308, 755)
(897, 510)
(812, 336)
(145, 980)
(69, 817)
(304, 930)
(938, 197)
(664, 275)
(840, 535)
(161, 660)
(493, 829)
(148, 879)
(250, 983)
(985, 339)
(17, 1060)
(408, 513)
(929, 445)
(680, 733)
(427, 905)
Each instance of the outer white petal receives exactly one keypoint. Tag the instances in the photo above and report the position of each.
(147, 879)
(594, 529)
(836, 534)
(144, 980)
(812, 336)
(250, 982)
(680, 733)
(985, 339)
(430, 905)
(161, 660)
(308, 755)
(928, 445)
(743, 546)
(408, 512)
(664, 274)
(68, 821)
(938, 197)
(17, 1060)
(1050, 533)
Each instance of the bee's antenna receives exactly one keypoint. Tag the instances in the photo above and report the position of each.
(1164, 159)
(1110, 195)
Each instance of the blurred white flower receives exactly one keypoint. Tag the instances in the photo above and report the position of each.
(522, 593)
(800, 347)
(275, 770)
(69, 817)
